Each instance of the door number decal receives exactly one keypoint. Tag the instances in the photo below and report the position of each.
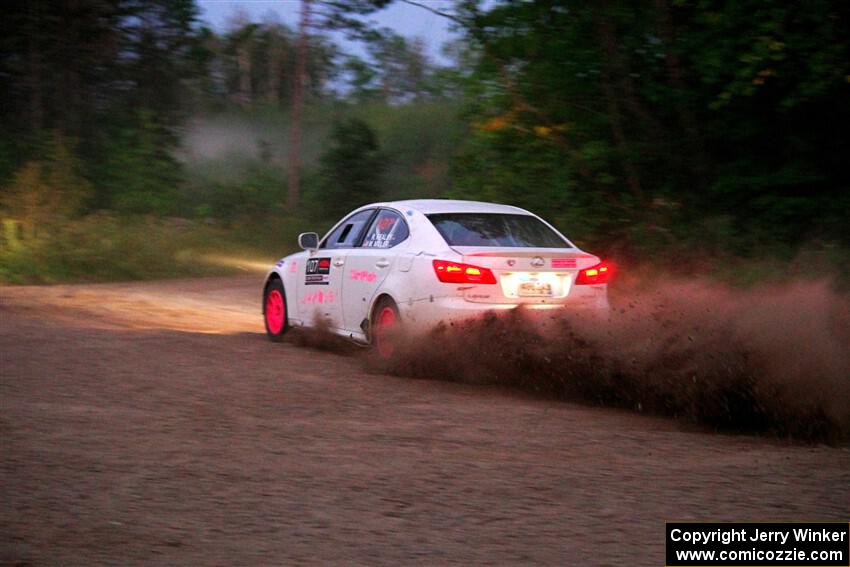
(318, 271)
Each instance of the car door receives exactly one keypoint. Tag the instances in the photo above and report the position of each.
(367, 265)
(321, 277)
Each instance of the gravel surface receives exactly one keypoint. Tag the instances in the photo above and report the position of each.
(153, 423)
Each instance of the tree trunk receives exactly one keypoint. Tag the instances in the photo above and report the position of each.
(243, 63)
(294, 173)
(67, 97)
(275, 62)
(608, 40)
(36, 99)
(676, 79)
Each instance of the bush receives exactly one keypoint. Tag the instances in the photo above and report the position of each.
(350, 171)
(45, 193)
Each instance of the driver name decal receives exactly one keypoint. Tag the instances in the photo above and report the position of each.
(318, 271)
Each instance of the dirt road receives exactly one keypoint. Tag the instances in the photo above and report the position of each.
(153, 423)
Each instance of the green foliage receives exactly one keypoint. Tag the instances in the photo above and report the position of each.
(640, 120)
(47, 192)
(648, 130)
(397, 71)
(350, 170)
(7, 158)
(417, 141)
(363, 80)
(139, 173)
(235, 161)
(258, 193)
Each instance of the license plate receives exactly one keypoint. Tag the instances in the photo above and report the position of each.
(534, 288)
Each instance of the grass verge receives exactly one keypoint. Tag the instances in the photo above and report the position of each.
(105, 247)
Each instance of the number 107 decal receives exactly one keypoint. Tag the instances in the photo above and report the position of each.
(318, 271)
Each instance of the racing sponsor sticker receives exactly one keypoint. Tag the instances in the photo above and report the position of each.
(363, 276)
(318, 297)
(318, 271)
(563, 262)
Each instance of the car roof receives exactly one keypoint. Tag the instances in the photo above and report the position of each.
(430, 206)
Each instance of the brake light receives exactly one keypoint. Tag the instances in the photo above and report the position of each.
(598, 274)
(457, 273)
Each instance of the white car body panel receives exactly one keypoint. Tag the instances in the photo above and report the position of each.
(358, 277)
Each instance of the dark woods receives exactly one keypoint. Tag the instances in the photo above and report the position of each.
(648, 129)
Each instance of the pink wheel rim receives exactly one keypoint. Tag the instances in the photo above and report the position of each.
(275, 312)
(385, 322)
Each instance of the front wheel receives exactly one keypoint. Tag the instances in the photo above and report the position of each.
(274, 310)
(386, 328)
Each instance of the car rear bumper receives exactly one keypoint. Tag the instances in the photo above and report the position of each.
(429, 312)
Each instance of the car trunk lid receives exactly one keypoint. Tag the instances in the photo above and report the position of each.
(525, 275)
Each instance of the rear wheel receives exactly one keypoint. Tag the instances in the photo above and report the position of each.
(274, 310)
(386, 328)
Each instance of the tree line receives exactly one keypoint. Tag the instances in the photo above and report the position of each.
(641, 126)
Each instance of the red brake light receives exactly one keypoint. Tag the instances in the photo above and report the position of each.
(457, 273)
(598, 274)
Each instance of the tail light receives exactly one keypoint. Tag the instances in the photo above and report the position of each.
(598, 274)
(457, 273)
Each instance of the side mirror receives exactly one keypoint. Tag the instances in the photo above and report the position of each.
(308, 241)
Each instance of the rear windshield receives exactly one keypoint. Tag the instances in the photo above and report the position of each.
(488, 229)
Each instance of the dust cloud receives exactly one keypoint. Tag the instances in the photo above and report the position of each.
(223, 141)
(320, 337)
(773, 359)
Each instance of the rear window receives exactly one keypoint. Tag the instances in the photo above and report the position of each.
(488, 229)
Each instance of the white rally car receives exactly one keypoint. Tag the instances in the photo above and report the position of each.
(413, 264)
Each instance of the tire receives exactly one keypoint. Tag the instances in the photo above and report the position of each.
(386, 328)
(274, 310)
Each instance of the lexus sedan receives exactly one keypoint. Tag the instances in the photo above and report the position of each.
(413, 264)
